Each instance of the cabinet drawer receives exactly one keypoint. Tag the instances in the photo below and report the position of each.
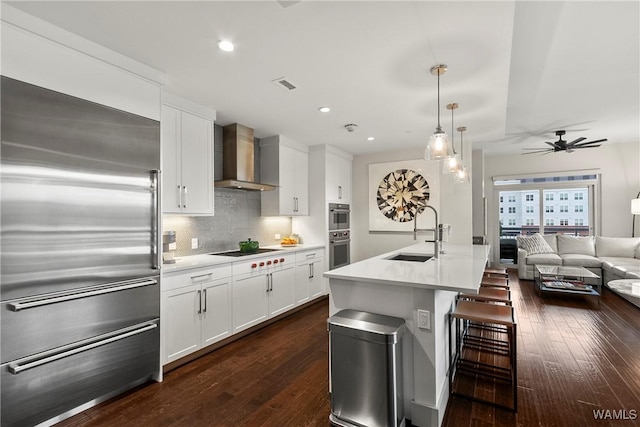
(310, 255)
(191, 277)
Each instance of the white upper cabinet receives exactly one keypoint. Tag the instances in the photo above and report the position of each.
(338, 178)
(187, 162)
(284, 163)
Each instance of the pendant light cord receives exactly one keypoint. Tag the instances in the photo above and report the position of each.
(439, 128)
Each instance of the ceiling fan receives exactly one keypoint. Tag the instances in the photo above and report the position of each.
(562, 145)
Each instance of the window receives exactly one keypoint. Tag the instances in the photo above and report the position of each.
(564, 196)
(578, 196)
(512, 222)
(548, 208)
(501, 199)
(564, 208)
(512, 199)
(578, 221)
(501, 210)
(578, 208)
(512, 209)
(529, 197)
(529, 209)
(548, 196)
(548, 221)
(564, 222)
(529, 221)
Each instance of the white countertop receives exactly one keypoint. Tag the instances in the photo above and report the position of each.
(208, 260)
(460, 269)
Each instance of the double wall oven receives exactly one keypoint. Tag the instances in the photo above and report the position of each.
(339, 236)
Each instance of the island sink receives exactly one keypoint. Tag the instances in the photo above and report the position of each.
(410, 257)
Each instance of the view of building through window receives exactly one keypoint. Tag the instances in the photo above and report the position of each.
(540, 205)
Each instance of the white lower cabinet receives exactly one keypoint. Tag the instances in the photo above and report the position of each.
(196, 310)
(309, 280)
(262, 288)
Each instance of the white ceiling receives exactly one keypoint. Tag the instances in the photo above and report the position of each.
(519, 70)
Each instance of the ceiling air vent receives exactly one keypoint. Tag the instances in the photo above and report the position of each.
(283, 82)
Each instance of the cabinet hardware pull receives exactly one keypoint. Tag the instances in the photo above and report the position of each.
(267, 283)
(199, 302)
(313, 270)
(204, 295)
(271, 282)
(179, 196)
(112, 287)
(311, 255)
(340, 192)
(194, 278)
(155, 221)
(185, 196)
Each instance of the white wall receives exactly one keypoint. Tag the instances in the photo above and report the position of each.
(455, 207)
(619, 165)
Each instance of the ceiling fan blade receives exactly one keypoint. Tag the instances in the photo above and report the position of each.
(594, 142)
(553, 144)
(585, 146)
(546, 151)
(588, 143)
(575, 141)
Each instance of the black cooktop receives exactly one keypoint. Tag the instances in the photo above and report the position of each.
(237, 253)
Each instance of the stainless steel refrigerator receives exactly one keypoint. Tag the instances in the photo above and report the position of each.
(79, 290)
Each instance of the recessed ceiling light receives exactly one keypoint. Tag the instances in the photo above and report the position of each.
(371, 138)
(226, 45)
(324, 109)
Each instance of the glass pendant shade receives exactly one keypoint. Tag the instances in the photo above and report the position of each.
(451, 165)
(462, 175)
(438, 147)
(635, 207)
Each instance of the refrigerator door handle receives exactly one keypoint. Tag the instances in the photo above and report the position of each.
(155, 188)
(113, 287)
(69, 350)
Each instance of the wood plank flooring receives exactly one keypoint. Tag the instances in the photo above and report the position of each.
(573, 358)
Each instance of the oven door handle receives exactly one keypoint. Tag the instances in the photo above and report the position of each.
(340, 210)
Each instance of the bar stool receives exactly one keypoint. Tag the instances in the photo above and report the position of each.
(492, 315)
(495, 282)
(501, 294)
(496, 272)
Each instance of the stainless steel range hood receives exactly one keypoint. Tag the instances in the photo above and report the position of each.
(237, 160)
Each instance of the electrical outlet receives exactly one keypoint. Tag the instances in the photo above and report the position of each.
(277, 236)
(424, 319)
(194, 243)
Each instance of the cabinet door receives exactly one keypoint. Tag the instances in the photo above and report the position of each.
(316, 281)
(287, 180)
(344, 185)
(181, 323)
(281, 296)
(171, 160)
(197, 161)
(303, 277)
(302, 183)
(216, 311)
(249, 301)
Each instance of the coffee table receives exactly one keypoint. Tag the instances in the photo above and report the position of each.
(628, 289)
(568, 280)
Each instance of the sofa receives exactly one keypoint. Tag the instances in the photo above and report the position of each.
(610, 258)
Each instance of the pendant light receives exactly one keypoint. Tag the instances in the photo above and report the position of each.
(462, 175)
(451, 164)
(438, 147)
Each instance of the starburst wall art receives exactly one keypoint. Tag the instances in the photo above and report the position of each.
(398, 191)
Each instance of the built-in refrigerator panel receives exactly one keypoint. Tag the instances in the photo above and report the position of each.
(79, 284)
(78, 192)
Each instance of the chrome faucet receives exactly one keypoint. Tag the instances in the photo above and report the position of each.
(437, 238)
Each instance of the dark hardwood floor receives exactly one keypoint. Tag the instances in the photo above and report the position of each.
(573, 358)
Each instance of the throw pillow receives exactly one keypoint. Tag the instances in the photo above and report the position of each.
(534, 244)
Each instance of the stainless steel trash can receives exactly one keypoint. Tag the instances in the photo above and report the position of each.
(365, 369)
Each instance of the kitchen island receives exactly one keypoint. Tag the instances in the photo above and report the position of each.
(400, 288)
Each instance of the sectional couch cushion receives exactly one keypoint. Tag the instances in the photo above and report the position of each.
(576, 245)
(552, 241)
(546, 259)
(624, 247)
(534, 245)
(579, 260)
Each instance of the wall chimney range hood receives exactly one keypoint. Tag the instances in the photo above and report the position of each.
(238, 160)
